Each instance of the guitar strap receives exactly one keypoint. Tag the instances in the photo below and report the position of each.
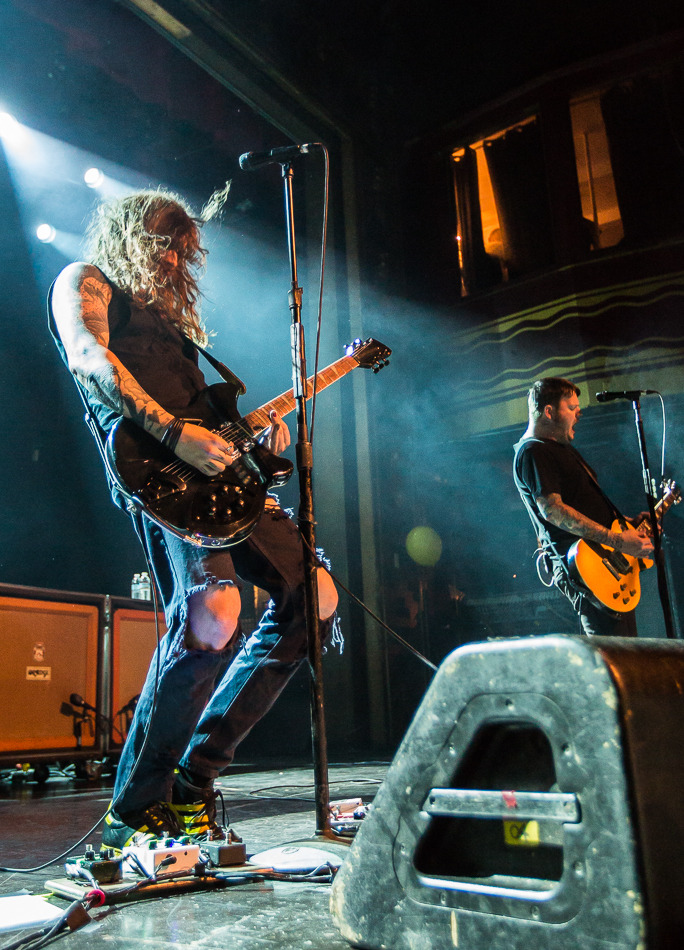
(618, 516)
(223, 371)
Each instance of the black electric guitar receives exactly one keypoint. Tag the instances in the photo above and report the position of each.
(221, 510)
(612, 577)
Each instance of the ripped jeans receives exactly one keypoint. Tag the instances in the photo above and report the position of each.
(202, 709)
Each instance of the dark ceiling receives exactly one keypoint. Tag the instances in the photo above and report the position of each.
(401, 69)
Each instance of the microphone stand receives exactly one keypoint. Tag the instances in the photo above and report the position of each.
(658, 553)
(304, 456)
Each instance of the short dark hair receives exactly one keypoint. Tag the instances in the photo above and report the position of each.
(548, 392)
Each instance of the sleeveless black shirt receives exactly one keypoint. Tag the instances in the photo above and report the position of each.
(153, 350)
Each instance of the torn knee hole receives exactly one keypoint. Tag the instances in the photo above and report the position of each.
(212, 618)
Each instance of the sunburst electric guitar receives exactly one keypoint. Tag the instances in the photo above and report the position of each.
(611, 577)
(221, 510)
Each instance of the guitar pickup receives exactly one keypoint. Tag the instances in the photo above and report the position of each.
(609, 567)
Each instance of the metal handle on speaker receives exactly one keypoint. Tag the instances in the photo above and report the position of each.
(516, 806)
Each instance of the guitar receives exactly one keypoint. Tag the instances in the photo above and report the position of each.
(220, 510)
(612, 578)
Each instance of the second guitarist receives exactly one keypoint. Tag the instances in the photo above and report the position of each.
(566, 502)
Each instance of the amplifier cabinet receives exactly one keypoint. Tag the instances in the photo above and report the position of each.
(133, 642)
(49, 652)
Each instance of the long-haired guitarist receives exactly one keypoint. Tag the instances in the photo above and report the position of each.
(126, 323)
(566, 502)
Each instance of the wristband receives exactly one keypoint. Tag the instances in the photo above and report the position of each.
(172, 434)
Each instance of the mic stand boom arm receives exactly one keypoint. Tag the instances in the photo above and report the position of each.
(304, 456)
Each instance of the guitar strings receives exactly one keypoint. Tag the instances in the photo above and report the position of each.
(230, 433)
(235, 430)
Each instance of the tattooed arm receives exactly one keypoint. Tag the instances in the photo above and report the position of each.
(80, 302)
(569, 519)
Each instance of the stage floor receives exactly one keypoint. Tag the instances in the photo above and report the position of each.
(267, 808)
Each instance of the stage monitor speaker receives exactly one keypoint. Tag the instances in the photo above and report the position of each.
(134, 640)
(535, 802)
(49, 651)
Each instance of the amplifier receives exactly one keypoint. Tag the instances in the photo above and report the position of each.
(134, 640)
(49, 651)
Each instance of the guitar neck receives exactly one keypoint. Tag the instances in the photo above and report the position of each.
(259, 419)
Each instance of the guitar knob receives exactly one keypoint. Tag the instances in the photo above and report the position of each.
(615, 595)
(625, 600)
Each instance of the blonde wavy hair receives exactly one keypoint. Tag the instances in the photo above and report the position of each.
(128, 238)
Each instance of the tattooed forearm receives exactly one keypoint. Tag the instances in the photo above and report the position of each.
(573, 521)
(116, 388)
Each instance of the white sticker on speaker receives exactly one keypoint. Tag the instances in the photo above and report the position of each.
(39, 674)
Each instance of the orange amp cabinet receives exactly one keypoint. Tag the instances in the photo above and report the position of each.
(49, 675)
(134, 637)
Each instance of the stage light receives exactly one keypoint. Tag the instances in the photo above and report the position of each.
(45, 233)
(10, 130)
(94, 177)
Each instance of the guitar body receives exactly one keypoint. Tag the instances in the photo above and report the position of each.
(222, 510)
(212, 512)
(612, 578)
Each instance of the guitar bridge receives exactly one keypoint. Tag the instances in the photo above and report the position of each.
(156, 489)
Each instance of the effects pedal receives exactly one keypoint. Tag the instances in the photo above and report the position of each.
(226, 852)
(95, 867)
(167, 855)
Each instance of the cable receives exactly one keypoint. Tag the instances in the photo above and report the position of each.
(370, 613)
(662, 441)
(324, 241)
(77, 911)
(47, 864)
(255, 793)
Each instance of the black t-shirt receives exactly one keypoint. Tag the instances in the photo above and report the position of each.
(545, 467)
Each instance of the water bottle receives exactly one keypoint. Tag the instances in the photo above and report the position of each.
(145, 587)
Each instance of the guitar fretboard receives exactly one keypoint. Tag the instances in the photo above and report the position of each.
(259, 419)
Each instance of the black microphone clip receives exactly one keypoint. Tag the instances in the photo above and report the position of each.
(631, 394)
(283, 155)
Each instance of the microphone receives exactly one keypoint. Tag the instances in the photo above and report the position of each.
(252, 160)
(77, 700)
(627, 394)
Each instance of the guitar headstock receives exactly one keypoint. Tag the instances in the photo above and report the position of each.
(672, 493)
(369, 354)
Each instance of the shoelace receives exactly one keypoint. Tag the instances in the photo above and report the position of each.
(161, 819)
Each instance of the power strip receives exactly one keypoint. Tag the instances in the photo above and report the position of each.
(160, 857)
